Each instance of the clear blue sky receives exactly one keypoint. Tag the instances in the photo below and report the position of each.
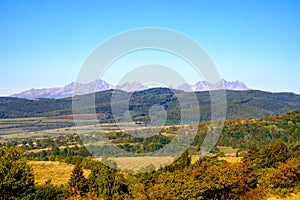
(44, 43)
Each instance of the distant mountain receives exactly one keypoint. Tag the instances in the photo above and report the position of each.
(66, 91)
(205, 86)
(101, 85)
(131, 87)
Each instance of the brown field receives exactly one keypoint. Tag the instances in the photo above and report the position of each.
(58, 172)
(136, 163)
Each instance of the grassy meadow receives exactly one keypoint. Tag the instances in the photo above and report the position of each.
(58, 172)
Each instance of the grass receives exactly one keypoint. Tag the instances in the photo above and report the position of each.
(58, 172)
(136, 163)
(229, 151)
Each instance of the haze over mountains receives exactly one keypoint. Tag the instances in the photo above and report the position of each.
(101, 85)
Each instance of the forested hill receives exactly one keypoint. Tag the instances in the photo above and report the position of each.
(243, 104)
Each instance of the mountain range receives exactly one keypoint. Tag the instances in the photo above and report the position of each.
(101, 85)
(242, 104)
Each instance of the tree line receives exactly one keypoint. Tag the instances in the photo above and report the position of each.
(271, 169)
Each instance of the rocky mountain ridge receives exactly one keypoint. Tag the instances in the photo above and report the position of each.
(101, 85)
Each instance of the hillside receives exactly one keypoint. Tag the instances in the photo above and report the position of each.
(243, 104)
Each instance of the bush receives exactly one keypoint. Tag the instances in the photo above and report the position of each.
(284, 179)
(273, 154)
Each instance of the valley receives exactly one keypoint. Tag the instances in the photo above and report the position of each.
(258, 141)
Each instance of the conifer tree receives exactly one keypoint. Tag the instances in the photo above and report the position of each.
(78, 183)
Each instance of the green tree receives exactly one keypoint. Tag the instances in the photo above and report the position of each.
(43, 155)
(16, 177)
(78, 183)
(106, 183)
(48, 191)
(56, 151)
(273, 154)
(252, 152)
(180, 163)
(284, 179)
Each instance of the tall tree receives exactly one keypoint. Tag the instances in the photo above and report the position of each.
(180, 163)
(252, 152)
(16, 177)
(105, 182)
(78, 183)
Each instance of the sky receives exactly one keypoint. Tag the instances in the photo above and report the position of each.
(44, 43)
